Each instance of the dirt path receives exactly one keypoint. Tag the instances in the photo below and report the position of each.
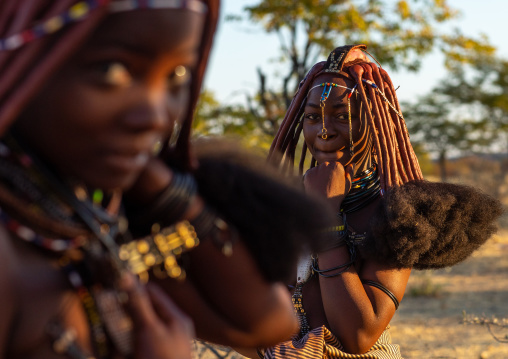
(430, 327)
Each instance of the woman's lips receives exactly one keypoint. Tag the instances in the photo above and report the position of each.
(327, 154)
(127, 161)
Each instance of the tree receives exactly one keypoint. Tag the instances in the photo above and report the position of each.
(466, 113)
(435, 126)
(485, 86)
(400, 33)
(213, 119)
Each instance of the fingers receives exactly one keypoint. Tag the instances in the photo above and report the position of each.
(139, 304)
(349, 172)
(167, 310)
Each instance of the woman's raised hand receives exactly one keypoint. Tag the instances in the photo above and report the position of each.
(161, 329)
(329, 180)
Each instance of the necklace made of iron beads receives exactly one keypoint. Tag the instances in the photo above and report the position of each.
(365, 188)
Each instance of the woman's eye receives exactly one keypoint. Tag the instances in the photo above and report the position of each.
(343, 117)
(312, 117)
(180, 76)
(114, 73)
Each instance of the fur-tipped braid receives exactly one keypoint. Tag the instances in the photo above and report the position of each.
(275, 219)
(429, 225)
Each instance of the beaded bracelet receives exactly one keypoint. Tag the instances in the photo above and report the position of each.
(160, 251)
(341, 268)
(336, 236)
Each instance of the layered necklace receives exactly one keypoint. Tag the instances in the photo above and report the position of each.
(365, 188)
(78, 230)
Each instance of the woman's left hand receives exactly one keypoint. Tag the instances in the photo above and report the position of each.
(161, 329)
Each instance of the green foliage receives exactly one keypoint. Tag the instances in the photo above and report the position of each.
(485, 84)
(234, 121)
(439, 125)
(399, 33)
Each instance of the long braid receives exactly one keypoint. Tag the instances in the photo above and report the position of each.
(395, 156)
(302, 158)
(382, 128)
(403, 159)
(293, 114)
(413, 162)
(407, 153)
(388, 119)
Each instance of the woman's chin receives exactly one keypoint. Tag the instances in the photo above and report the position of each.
(323, 157)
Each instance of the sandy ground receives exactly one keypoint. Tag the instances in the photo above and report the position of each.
(429, 322)
(431, 326)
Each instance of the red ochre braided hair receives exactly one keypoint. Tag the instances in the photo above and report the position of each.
(395, 156)
(37, 36)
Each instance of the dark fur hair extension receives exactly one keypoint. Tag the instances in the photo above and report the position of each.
(429, 225)
(275, 218)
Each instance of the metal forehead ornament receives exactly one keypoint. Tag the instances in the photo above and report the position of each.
(324, 96)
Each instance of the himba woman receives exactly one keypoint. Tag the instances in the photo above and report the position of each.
(389, 220)
(92, 190)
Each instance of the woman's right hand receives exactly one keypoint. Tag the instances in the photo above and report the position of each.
(161, 329)
(329, 180)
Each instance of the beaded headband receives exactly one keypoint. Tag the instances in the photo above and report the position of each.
(82, 9)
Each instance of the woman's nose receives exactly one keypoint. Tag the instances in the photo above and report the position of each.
(148, 112)
(329, 131)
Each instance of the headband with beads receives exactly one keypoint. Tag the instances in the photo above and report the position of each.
(82, 9)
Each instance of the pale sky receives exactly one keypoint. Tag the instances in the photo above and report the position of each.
(240, 48)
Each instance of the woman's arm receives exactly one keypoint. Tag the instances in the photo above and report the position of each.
(356, 313)
(226, 296)
(230, 302)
